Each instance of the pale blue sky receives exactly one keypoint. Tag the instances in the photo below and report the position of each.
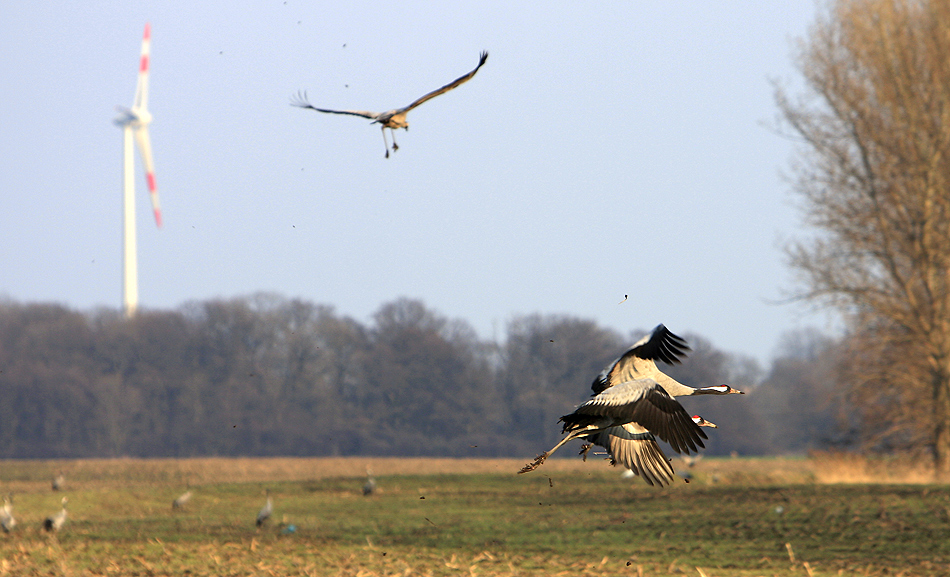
(605, 149)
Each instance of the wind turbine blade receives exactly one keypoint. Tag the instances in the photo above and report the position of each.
(145, 147)
(141, 89)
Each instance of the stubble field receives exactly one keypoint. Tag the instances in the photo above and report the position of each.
(742, 517)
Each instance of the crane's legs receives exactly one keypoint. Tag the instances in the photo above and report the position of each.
(534, 464)
(386, 142)
(543, 456)
(393, 133)
(586, 449)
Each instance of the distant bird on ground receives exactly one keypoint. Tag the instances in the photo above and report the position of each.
(636, 449)
(396, 118)
(55, 522)
(7, 522)
(633, 390)
(59, 482)
(181, 500)
(690, 462)
(264, 514)
(370, 487)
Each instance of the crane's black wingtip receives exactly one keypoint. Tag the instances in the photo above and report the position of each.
(482, 57)
(300, 100)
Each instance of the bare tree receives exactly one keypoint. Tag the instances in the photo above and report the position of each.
(873, 176)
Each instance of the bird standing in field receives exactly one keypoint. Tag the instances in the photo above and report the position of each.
(55, 522)
(7, 522)
(370, 486)
(59, 482)
(181, 500)
(264, 514)
(395, 118)
(690, 462)
(633, 391)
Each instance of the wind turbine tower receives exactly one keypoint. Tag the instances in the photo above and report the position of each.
(134, 122)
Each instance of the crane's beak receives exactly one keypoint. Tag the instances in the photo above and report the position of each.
(704, 423)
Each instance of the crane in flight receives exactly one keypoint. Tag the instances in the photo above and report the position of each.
(634, 447)
(396, 118)
(632, 390)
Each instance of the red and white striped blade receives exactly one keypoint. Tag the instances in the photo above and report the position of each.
(141, 89)
(145, 147)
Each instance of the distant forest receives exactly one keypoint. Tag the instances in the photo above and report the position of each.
(265, 375)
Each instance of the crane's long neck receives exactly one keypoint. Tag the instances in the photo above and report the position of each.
(677, 389)
(674, 387)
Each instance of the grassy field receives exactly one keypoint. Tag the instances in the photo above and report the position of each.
(743, 517)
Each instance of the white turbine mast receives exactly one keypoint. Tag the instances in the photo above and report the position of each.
(134, 122)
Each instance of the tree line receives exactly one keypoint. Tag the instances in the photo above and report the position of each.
(266, 375)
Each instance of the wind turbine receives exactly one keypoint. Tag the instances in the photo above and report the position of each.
(135, 121)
